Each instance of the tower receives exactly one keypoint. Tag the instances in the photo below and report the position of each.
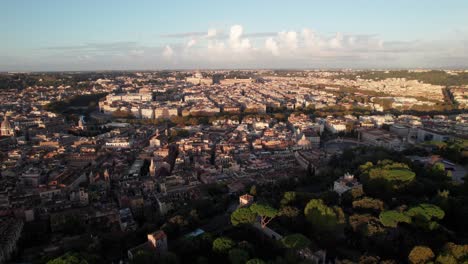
(81, 123)
(106, 175)
(152, 168)
(91, 177)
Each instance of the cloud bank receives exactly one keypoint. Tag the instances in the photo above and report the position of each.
(307, 48)
(234, 48)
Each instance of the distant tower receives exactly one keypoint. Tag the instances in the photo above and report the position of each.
(152, 168)
(81, 123)
(166, 132)
(162, 187)
(106, 175)
(91, 177)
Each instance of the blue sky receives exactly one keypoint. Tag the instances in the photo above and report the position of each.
(104, 34)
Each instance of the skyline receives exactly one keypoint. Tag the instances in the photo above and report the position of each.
(145, 35)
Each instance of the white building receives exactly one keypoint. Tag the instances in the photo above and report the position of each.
(346, 183)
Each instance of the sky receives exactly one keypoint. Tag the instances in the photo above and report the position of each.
(56, 35)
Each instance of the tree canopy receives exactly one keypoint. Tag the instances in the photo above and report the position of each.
(420, 255)
(391, 218)
(295, 241)
(368, 203)
(255, 261)
(222, 244)
(238, 256)
(68, 258)
(386, 177)
(243, 215)
(426, 215)
(248, 215)
(266, 213)
(322, 217)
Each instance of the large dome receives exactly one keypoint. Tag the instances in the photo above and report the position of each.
(5, 128)
(5, 124)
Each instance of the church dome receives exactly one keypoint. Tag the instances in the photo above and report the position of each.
(5, 128)
(5, 124)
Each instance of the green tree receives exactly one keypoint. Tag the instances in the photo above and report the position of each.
(368, 203)
(453, 253)
(68, 258)
(168, 258)
(386, 177)
(238, 256)
(243, 215)
(266, 213)
(289, 211)
(392, 218)
(255, 261)
(288, 198)
(365, 224)
(222, 244)
(420, 255)
(253, 190)
(458, 251)
(142, 257)
(446, 259)
(439, 167)
(322, 217)
(295, 241)
(426, 215)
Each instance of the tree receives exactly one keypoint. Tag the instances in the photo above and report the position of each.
(368, 203)
(168, 258)
(266, 213)
(369, 260)
(365, 224)
(243, 215)
(289, 211)
(439, 167)
(453, 253)
(253, 190)
(238, 256)
(392, 218)
(458, 251)
(295, 241)
(255, 261)
(322, 217)
(142, 257)
(420, 255)
(446, 259)
(288, 198)
(355, 193)
(68, 258)
(385, 177)
(222, 244)
(426, 215)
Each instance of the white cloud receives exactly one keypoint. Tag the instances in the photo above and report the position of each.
(236, 42)
(168, 52)
(288, 40)
(272, 46)
(214, 49)
(191, 43)
(336, 42)
(212, 32)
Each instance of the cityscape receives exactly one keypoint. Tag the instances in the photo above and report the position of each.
(229, 145)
